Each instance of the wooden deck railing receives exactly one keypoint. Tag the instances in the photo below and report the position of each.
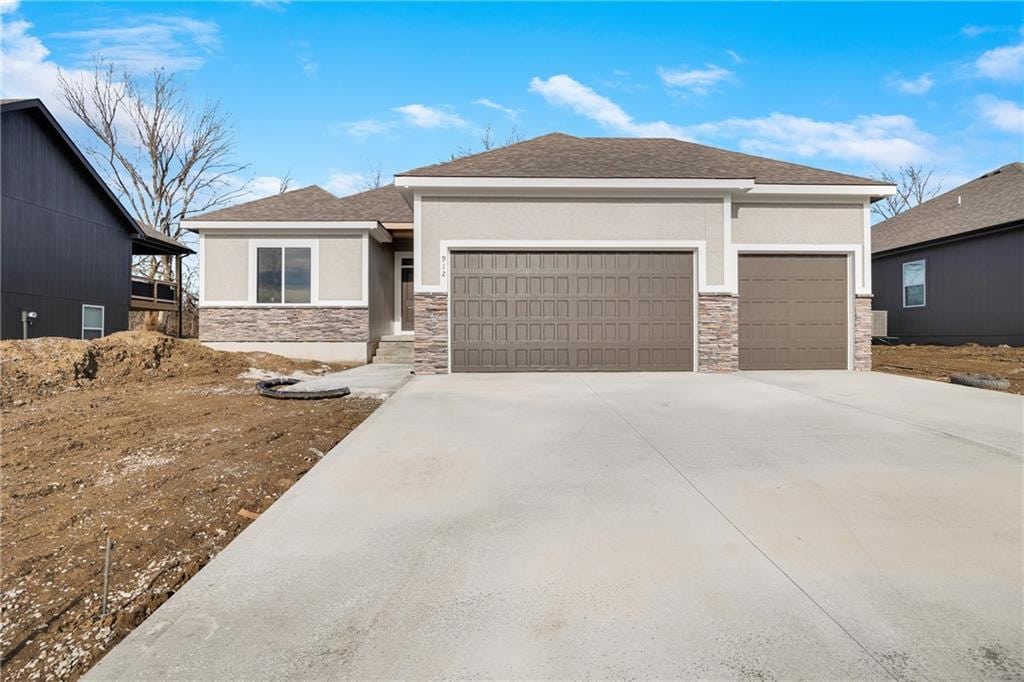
(154, 294)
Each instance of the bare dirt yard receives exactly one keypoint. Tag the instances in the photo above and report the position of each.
(158, 443)
(939, 362)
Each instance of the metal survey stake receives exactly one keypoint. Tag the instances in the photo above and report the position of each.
(106, 577)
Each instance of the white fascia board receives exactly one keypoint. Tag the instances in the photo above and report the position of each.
(373, 227)
(824, 190)
(439, 182)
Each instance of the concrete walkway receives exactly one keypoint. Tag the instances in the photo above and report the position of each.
(372, 380)
(756, 525)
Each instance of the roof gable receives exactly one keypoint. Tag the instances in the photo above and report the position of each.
(315, 204)
(44, 116)
(995, 198)
(558, 155)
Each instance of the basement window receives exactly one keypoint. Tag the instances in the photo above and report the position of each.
(283, 274)
(914, 284)
(92, 321)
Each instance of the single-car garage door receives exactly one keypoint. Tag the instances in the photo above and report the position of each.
(793, 312)
(571, 311)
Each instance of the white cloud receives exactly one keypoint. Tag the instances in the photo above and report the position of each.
(9, 6)
(917, 86)
(1002, 114)
(343, 184)
(697, 81)
(177, 43)
(25, 66)
(973, 31)
(875, 139)
(490, 104)
(422, 116)
(365, 128)
(1002, 63)
(274, 5)
(735, 56)
(563, 91)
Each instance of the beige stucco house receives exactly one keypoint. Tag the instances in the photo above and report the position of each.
(557, 253)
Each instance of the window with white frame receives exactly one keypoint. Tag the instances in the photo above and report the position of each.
(283, 274)
(92, 321)
(914, 284)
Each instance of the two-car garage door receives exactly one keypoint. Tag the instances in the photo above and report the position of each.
(634, 310)
(571, 311)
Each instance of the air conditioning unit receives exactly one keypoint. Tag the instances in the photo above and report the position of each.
(879, 323)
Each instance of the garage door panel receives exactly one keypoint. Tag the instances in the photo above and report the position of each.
(575, 311)
(793, 311)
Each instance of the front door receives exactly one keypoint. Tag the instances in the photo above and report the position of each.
(408, 301)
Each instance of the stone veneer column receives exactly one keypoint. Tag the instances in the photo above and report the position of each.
(431, 344)
(862, 324)
(718, 346)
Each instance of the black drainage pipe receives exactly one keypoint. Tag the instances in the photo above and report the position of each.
(268, 389)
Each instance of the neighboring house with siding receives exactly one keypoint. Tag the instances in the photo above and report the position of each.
(66, 242)
(951, 270)
(556, 253)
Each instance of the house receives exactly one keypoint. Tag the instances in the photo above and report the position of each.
(951, 270)
(66, 242)
(556, 253)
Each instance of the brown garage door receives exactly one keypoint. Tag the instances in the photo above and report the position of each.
(793, 312)
(571, 311)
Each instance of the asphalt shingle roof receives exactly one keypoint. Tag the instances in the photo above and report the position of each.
(315, 204)
(993, 199)
(558, 155)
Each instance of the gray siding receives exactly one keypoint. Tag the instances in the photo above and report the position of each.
(61, 242)
(974, 291)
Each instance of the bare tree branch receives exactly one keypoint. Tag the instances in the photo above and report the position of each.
(286, 182)
(375, 178)
(487, 142)
(914, 185)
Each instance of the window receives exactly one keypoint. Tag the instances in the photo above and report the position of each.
(283, 274)
(92, 321)
(913, 284)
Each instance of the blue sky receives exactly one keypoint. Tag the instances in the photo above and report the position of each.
(324, 91)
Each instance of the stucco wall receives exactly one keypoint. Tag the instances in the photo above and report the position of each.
(226, 273)
(382, 290)
(341, 268)
(225, 267)
(778, 223)
(537, 219)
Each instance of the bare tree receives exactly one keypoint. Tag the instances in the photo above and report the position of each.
(914, 185)
(375, 178)
(487, 138)
(286, 182)
(164, 158)
(487, 142)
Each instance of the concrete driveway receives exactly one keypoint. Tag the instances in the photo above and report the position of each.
(756, 525)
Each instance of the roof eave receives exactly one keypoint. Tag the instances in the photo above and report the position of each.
(373, 227)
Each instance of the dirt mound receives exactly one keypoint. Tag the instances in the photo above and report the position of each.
(42, 367)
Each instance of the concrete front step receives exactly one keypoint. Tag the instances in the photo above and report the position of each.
(395, 349)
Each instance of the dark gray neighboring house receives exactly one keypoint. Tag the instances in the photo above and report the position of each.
(66, 242)
(951, 270)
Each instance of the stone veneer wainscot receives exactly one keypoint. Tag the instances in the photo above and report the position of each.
(284, 323)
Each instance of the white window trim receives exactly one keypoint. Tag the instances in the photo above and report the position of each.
(399, 255)
(314, 270)
(103, 319)
(924, 282)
